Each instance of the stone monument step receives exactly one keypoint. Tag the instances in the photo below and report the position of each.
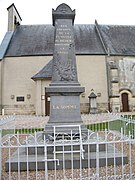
(32, 161)
(65, 129)
(58, 148)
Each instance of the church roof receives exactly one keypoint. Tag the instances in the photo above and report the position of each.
(119, 39)
(5, 43)
(45, 72)
(29, 40)
(33, 40)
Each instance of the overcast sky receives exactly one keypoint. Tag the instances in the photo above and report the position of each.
(120, 12)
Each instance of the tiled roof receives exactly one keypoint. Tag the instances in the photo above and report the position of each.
(46, 72)
(119, 39)
(33, 40)
(5, 43)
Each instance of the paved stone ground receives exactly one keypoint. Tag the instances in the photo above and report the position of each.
(40, 121)
(20, 122)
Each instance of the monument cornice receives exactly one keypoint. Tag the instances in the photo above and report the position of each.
(71, 89)
(63, 11)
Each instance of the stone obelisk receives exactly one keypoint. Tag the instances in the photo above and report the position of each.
(64, 89)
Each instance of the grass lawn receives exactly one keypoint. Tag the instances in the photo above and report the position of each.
(116, 125)
(21, 131)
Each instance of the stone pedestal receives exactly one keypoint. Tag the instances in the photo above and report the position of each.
(64, 107)
(38, 158)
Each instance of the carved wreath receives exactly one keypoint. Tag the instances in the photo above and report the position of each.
(65, 70)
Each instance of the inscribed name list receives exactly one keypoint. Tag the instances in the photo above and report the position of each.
(63, 39)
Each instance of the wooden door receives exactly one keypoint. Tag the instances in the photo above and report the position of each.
(47, 104)
(125, 105)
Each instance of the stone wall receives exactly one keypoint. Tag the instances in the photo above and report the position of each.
(92, 75)
(121, 78)
(84, 108)
(101, 108)
(17, 82)
(23, 109)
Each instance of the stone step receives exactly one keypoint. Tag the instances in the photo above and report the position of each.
(58, 148)
(65, 131)
(91, 157)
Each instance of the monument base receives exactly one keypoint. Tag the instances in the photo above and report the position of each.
(93, 111)
(64, 110)
(66, 130)
(71, 153)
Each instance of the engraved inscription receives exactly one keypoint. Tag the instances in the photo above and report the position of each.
(64, 107)
(64, 51)
(63, 35)
(64, 62)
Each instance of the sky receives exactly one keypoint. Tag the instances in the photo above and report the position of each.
(116, 12)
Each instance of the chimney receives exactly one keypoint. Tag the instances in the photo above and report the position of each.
(14, 19)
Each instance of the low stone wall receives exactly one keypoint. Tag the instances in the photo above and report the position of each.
(84, 107)
(101, 108)
(0, 109)
(31, 110)
(19, 109)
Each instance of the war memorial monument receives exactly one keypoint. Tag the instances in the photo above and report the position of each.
(65, 121)
(64, 89)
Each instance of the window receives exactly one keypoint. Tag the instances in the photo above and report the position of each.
(20, 98)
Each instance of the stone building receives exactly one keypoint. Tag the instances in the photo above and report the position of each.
(105, 56)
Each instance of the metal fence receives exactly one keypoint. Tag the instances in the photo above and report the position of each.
(111, 121)
(105, 154)
(22, 124)
(28, 124)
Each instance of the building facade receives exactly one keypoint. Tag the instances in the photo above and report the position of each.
(105, 56)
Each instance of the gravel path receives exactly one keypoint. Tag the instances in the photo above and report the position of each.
(30, 122)
(76, 172)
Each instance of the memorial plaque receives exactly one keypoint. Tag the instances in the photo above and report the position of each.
(64, 89)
